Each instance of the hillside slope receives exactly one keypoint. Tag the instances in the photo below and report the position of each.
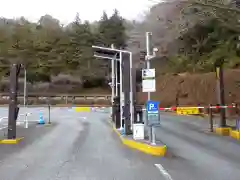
(194, 89)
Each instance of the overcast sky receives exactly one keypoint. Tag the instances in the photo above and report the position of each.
(65, 10)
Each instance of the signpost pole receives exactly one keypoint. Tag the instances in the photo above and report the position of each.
(153, 117)
(149, 54)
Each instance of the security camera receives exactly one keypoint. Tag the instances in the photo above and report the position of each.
(155, 49)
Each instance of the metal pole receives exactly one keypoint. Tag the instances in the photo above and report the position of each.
(26, 120)
(126, 92)
(25, 87)
(121, 91)
(118, 94)
(49, 116)
(116, 75)
(113, 79)
(113, 75)
(149, 49)
(210, 118)
(131, 91)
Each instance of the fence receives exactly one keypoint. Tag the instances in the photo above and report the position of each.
(25, 121)
(44, 98)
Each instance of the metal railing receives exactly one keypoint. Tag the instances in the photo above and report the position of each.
(84, 96)
(25, 121)
(64, 98)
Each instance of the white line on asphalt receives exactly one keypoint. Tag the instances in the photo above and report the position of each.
(163, 172)
(3, 127)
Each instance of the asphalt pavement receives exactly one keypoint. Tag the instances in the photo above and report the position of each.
(195, 153)
(82, 146)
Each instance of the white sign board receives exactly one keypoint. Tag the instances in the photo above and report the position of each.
(148, 73)
(138, 131)
(149, 85)
(148, 80)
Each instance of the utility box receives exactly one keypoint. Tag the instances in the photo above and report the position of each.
(138, 131)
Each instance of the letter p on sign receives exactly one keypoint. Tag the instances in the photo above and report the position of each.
(151, 106)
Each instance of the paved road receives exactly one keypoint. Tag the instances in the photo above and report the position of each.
(196, 154)
(82, 146)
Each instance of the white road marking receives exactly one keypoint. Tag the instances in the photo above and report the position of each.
(3, 127)
(163, 172)
(83, 117)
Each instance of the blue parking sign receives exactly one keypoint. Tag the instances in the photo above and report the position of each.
(152, 106)
(153, 113)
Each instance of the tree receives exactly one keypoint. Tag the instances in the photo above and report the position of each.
(47, 49)
(118, 30)
(103, 31)
(112, 30)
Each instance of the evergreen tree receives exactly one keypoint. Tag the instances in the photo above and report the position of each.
(112, 30)
(118, 31)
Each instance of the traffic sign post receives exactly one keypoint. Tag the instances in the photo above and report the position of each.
(148, 79)
(153, 113)
(153, 117)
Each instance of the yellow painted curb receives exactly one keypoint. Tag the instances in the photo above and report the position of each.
(83, 109)
(235, 134)
(224, 131)
(11, 141)
(193, 115)
(146, 148)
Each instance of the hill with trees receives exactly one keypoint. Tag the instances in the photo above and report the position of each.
(191, 36)
(53, 53)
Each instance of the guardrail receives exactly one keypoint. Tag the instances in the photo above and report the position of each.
(25, 121)
(62, 97)
(58, 95)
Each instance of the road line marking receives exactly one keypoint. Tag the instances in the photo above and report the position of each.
(3, 127)
(163, 172)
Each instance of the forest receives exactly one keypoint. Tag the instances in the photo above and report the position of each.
(191, 36)
(47, 48)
